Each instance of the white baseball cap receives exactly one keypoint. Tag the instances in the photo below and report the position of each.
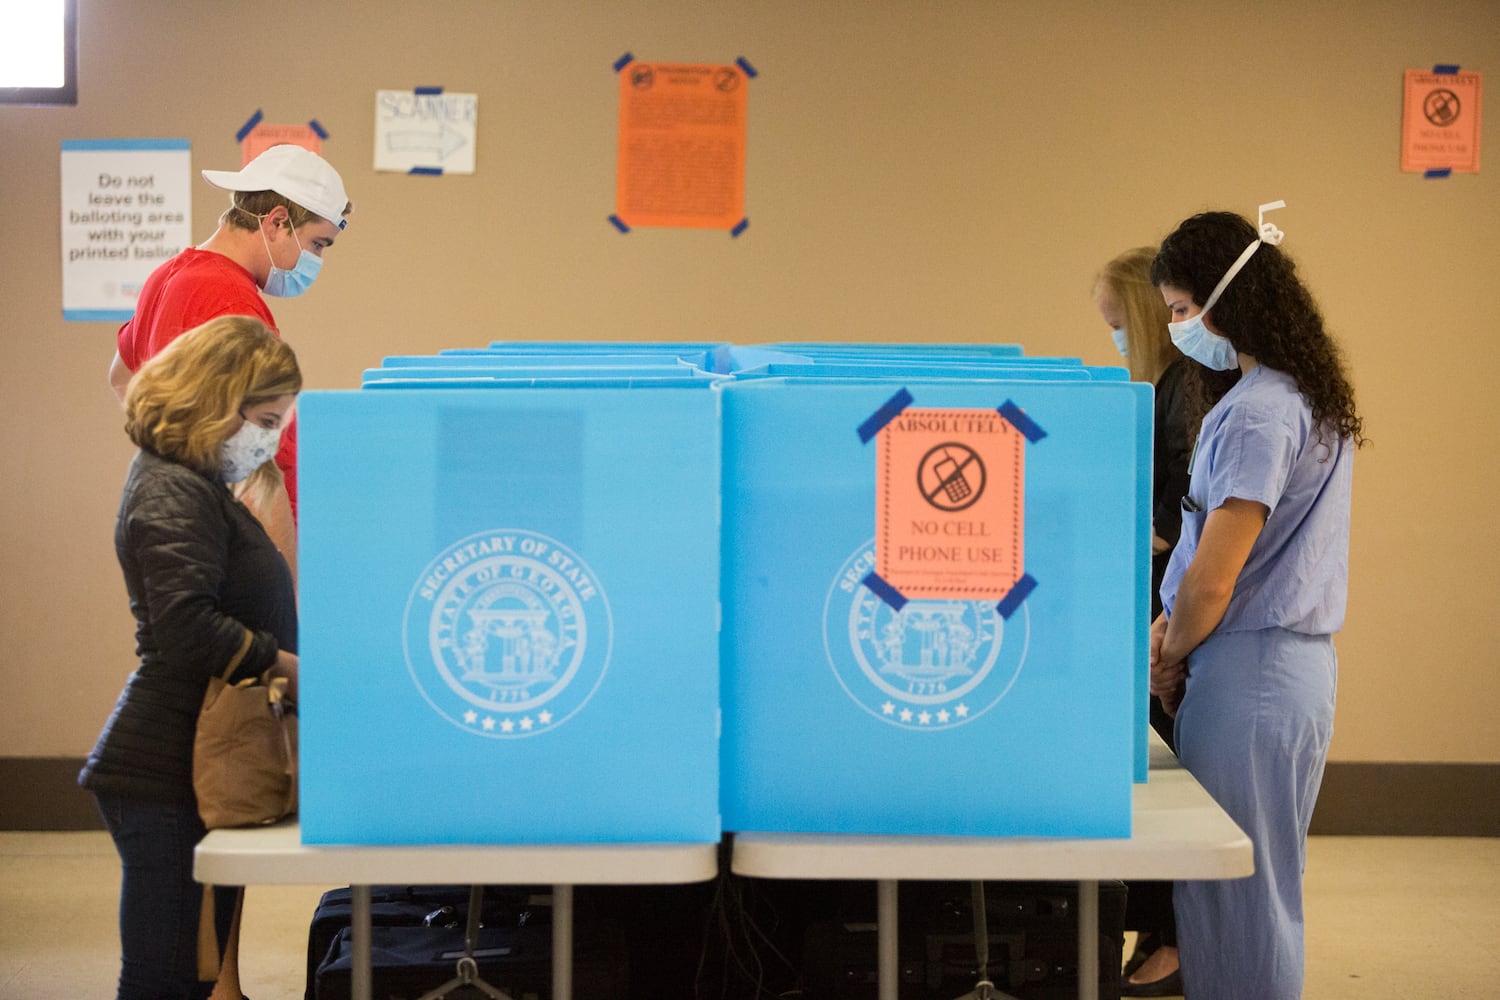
(294, 173)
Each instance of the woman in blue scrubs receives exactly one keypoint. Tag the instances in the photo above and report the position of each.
(1243, 651)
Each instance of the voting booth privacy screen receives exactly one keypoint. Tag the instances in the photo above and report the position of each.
(511, 607)
(937, 670)
(649, 592)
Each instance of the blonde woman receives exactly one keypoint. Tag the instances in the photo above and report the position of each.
(208, 589)
(1133, 308)
(1137, 317)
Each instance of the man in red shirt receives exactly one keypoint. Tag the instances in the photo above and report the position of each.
(287, 208)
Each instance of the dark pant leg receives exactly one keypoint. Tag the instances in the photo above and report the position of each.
(159, 901)
(1149, 910)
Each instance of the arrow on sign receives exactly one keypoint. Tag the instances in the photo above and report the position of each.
(442, 142)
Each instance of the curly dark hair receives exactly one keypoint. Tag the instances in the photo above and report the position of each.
(1265, 311)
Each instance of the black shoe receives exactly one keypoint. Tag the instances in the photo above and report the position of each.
(1169, 985)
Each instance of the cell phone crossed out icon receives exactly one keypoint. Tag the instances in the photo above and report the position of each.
(951, 478)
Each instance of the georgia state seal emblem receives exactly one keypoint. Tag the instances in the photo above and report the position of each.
(933, 664)
(507, 633)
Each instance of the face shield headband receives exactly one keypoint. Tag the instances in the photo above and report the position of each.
(1268, 233)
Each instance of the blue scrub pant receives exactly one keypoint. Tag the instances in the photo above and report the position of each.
(1254, 728)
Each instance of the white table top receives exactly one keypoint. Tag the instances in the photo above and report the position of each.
(1179, 832)
(275, 855)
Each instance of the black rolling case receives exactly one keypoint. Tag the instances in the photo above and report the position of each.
(409, 962)
(1032, 931)
(440, 906)
(462, 943)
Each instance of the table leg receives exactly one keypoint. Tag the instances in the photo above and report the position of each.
(1088, 940)
(562, 942)
(360, 986)
(886, 971)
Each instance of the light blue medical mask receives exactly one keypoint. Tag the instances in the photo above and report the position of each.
(1191, 336)
(1203, 345)
(286, 284)
(1122, 341)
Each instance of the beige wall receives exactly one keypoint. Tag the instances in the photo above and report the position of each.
(917, 170)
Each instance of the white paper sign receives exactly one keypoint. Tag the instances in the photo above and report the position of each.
(420, 131)
(126, 207)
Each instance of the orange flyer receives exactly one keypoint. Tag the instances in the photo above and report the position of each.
(682, 145)
(263, 137)
(1440, 122)
(950, 506)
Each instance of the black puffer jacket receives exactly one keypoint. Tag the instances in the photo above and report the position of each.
(200, 571)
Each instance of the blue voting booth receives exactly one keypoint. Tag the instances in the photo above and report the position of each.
(608, 592)
(848, 710)
(969, 362)
(509, 600)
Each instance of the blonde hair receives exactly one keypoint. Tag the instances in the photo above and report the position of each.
(1149, 344)
(184, 403)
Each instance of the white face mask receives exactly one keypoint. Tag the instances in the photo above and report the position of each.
(1195, 339)
(1122, 342)
(248, 449)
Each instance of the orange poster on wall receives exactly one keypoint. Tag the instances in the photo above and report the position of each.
(1440, 122)
(682, 145)
(950, 509)
(263, 137)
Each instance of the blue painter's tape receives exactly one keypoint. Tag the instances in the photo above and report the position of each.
(249, 126)
(1438, 172)
(317, 128)
(884, 591)
(115, 145)
(97, 315)
(744, 64)
(1010, 411)
(619, 223)
(427, 171)
(1444, 69)
(890, 411)
(426, 91)
(624, 61)
(1011, 601)
(740, 227)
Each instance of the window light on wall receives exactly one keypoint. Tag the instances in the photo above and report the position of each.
(38, 51)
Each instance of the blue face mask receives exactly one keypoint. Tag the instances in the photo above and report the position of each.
(1122, 341)
(286, 284)
(1203, 345)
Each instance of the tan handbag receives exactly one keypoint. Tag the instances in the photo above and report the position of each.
(245, 752)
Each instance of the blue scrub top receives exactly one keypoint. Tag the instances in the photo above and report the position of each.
(1259, 443)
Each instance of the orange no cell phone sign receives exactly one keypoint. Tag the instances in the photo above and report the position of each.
(950, 510)
(1440, 121)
